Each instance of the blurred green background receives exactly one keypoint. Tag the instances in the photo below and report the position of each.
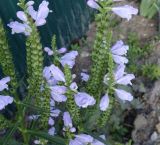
(69, 21)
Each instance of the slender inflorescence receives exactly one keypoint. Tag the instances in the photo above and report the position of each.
(71, 105)
(100, 53)
(6, 60)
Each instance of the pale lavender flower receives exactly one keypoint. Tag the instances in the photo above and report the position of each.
(57, 93)
(104, 103)
(19, 28)
(84, 138)
(40, 15)
(122, 79)
(118, 50)
(67, 120)
(55, 112)
(37, 142)
(51, 131)
(30, 3)
(69, 59)
(73, 86)
(125, 11)
(3, 83)
(52, 81)
(46, 73)
(84, 100)
(22, 16)
(93, 4)
(97, 142)
(119, 59)
(123, 95)
(4, 101)
(57, 73)
(51, 121)
(62, 50)
(48, 51)
(85, 77)
(73, 129)
(75, 142)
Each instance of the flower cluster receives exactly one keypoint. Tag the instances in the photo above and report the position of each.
(119, 50)
(65, 99)
(38, 16)
(122, 11)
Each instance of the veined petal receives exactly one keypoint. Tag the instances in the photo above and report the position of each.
(57, 73)
(84, 100)
(125, 80)
(123, 95)
(119, 48)
(70, 56)
(125, 11)
(104, 103)
(120, 59)
(67, 120)
(119, 71)
(75, 142)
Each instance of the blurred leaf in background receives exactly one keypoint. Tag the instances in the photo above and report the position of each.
(149, 8)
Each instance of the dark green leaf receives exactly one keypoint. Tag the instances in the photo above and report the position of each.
(54, 139)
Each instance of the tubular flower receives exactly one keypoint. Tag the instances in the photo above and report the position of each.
(69, 59)
(19, 28)
(3, 83)
(104, 103)
(93, 4)
(4, 101)
(57, 93)
(125, 11)
(85, 77)
(48, 51)
(84, 100)
(118, 50)
(55, 72)
(40, 15)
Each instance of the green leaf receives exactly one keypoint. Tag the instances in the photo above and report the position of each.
(9, 134)
(149, 8)
(54, 139)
